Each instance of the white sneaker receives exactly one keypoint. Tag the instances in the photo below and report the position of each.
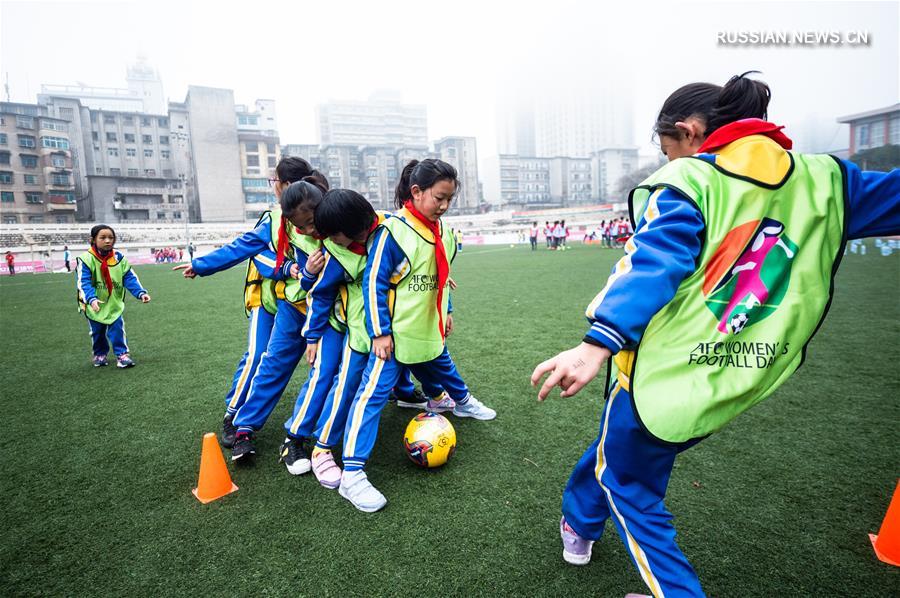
(357, 488)
(474, 408)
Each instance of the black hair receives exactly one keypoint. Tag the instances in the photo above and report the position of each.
(344, 211)
(293, 169)
(96, 231)
(715, 105)
(424, 175)
(305, 194)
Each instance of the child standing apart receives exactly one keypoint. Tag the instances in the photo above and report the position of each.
(102, 275)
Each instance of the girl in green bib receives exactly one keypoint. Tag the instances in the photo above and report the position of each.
(405, 290)
(725, 281)
(102, 275)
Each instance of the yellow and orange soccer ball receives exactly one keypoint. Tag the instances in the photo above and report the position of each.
(429, 440)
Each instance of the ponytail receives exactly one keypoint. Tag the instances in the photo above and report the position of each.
(424, 175)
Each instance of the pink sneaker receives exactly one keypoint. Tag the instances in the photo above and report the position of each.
(576, 550)
(325, 469)
(441, 404)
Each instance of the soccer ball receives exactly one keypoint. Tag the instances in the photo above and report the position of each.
(429, 440)
(738, 322)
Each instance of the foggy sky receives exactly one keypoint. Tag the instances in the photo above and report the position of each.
(458, 57)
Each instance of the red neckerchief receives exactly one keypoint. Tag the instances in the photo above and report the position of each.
(440, 255)
(744, 128)
(104, 267)
(281, 249)
(360, 248)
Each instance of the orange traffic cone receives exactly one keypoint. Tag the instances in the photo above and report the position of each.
(215, 481)
(887, 542)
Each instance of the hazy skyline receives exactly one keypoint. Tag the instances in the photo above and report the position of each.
(458, 59)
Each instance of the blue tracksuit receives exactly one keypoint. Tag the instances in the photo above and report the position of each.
(286, 346)
(381, 376)
(256, 245)
(623, 474)
(115, 332)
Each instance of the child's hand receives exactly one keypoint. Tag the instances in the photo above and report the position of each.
(295, 271)
(188, 270)
(452, 284)
(315, 262)
(448, 328)
(145, 298)
(95, 305)
(311, 350)
(571, 369)
(383, 347)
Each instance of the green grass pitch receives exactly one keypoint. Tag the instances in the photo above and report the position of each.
(97, 466)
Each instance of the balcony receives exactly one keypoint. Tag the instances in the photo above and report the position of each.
(148, 191)
(159, 207)
(54, 206)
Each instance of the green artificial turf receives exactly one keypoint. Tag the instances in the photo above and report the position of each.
(97, 465)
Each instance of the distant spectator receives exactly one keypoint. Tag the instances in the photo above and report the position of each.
(11, 263)
(66, 256)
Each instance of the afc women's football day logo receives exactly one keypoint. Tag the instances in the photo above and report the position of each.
(748, 275)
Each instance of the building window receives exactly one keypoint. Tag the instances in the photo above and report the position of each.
(3, 140)
(252, 160)
(132, 172)
(128, 120)
(61, 197)
(6, 177)
(244, 119)
(7, 196)
(4, 157)
(31, 179)
(111, 137)
(95, 135)
(150, 172)
(167, 173)
(253, 171)
(36, 219)
(129, 137)
(115, 172)
(163, 122)
(270, 147)
(56, 142)
(26, 141)
(61, 219)
(251, 146)
(10, 219)
(54, 126)
(28, 161)
(58, 161)
(130, 152)
(164, 154)
(25, 122)
(146, 121)
(164, 140)
(98, 170)
(113, 151)
(271, 161)
(148, 153)
(147, 138)
(61, 179)
(67, 114)
(109, 119)
(33, 197)
(254, 182)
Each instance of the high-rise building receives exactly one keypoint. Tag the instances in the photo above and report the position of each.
(608, 166)
(37, 183)
(260, 151)
(570, 180)
(525, 181)
(462, 153)
(144, 92)
(382, 120)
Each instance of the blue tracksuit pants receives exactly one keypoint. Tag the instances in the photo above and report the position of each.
(114, 331)
(623, 476)
(309, 402)
(374, 389)
(277, 363)
(258, 334)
